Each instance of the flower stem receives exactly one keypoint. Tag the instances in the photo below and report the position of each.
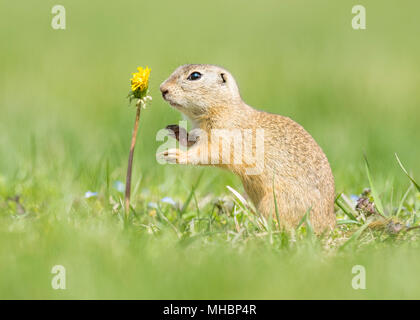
(130, 160)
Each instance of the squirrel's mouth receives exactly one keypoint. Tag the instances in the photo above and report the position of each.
(173, 104)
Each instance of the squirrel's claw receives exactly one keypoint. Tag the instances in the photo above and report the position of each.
(171, 156)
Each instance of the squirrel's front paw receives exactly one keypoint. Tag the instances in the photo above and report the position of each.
(173, 156)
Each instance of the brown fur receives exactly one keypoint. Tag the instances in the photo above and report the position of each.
(293, 161)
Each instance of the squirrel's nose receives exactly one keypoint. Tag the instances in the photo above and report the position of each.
(164, 91)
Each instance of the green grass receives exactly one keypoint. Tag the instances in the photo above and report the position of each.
(65, 128)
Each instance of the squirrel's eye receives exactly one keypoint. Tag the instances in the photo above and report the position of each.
(194, 76)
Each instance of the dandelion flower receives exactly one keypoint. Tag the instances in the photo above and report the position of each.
(140, 82)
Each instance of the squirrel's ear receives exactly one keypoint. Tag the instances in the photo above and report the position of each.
(223, 76)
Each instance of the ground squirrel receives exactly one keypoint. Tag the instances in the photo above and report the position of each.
(292, 162)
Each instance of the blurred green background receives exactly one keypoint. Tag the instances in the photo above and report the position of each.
(65, 128)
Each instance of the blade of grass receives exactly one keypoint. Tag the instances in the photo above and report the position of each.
(402, 200)
(346, 221)
(276, 207)
(354, 236)
(162, 216)
(136, 187)
(238, 195)
(303, 218)
(196, 205)
(107, 178)
(243, 204)
(309, 231)
(406, 173)
(270, 229)
(190, 196)
(347, 212)
(375, 195)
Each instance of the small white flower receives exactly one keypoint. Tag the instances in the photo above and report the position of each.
(90, 194)
(119, 186)
(152, 205)
(168, 200)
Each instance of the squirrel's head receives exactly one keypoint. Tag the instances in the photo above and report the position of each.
(195, 88)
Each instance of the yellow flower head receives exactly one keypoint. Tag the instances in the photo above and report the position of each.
(140, 81)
